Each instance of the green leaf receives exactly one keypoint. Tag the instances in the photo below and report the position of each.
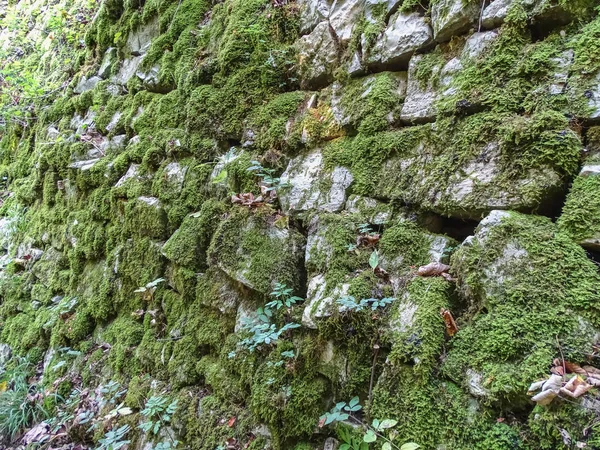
(345, 447)
(386, 446)
(370, 436)
(410, 446)
(375, 424)
(374, 260)
(388, 423)
(221, 176)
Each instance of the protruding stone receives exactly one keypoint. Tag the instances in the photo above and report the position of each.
(312, 186)
(452, 17)
(312, 12)
(110, 56)
(406, 34)
(317, 57)
(86, 84)
(256, 253)
(343, 17)
(420, 94)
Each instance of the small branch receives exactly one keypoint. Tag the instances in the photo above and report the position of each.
(373, 367)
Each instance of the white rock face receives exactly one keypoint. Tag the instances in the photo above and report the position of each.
(175, 175)
(107, 62)
(375, 211)
(138, 42)
(562, 63)
(343, 16)
(406, 34)
(312, 12)
(477, 43)
(132, 173)
(317, 57)
(452, 17)
(495, 13)
(590, 171)
(593, 96)
(86, 84)
(318, 306)
(312, 186)
(420, 97)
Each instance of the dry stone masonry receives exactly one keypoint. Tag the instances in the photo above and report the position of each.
(170, 167)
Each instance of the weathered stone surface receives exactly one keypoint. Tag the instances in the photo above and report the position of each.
(343, 17)
(478, 186)
(593, 96)
(452, 17)
(313, 187)
(420, 96)
(495, 13)
(406, 34)
(128, 70)
(318, 305)
(138, 42)
(108, 61)
(86, 84)
(317, 57)
(374, 211)
(131, 174)
(562, 63)
(361, 99)
(312, 13)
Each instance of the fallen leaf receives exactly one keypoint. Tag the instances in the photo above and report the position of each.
(451, 327)
(433, 269)
(231, 422)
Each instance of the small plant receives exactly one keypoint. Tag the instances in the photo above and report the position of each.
(265, 333)
(21, 404)
(365, 228)
(342, 411)
(158, 413)
(272, 183)
(351, 304)
(115, 439)
(149, 290)
(282, 296)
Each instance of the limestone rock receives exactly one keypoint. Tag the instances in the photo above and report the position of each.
(138, 42)
(128, 70)
(406, 34)
(257, 254)
(131, 174)
(372, 98)
(86, 84)
(452, 17)
(374, 8)
(480, 185)
(505, 272)
(343, 16)
(319, 305)
(374, 211)
(313, 187)
(5, 354)
(317, 57)
(312, 13)
(420, 95)
(562, 63)
(495, 13)
(108, 61)
(593, 96)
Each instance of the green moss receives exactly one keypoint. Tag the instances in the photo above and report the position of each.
(124, 334)
(371, 103)
(188, 245)
(269, 122)
(581, 214)
(515, 329)
(268, 254)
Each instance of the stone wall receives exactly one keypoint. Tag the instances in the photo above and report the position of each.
(199, 154)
